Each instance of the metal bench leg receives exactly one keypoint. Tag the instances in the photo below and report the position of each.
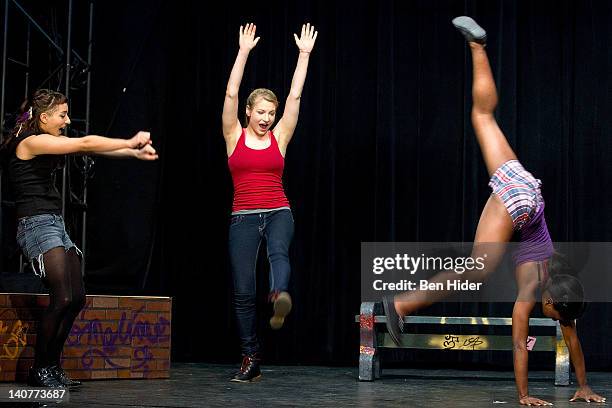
(376, 367)
(562, 360)
(369, 366)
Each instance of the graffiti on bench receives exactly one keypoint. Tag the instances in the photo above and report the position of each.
(454, 342)
(17, 341)
(88, 332)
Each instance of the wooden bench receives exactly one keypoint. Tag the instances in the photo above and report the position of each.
(373, 335)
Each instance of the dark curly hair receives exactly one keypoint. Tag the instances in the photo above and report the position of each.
(41, 101)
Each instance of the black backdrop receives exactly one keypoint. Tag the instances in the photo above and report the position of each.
(383, 151)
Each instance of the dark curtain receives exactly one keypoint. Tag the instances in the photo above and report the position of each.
(383, 151)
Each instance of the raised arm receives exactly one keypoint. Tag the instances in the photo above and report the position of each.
(286, 125)
(577, 358)
(48, 144)
(231, 124)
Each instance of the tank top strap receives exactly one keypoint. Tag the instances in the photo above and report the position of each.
(242, 138)
(274, 142)
(240, 144)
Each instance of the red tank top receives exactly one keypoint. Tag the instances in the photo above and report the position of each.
(257, 176)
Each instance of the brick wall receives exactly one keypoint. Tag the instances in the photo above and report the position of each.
(113, 337)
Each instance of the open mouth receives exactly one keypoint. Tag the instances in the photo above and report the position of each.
(263, 126)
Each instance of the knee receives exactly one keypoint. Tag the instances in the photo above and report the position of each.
(60, 304)
(242, 299)
(479, 275)
(519, 346)
(278, 249)
(482, 116)
(63, 304)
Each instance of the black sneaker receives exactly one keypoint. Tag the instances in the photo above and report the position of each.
(249, 370)
(395, 324)
(282, 307)
(43, 377)
(470, 29)
(61, 376)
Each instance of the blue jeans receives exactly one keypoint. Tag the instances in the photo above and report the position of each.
(245, 234)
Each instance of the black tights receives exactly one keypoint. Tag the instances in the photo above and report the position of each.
(67, 298)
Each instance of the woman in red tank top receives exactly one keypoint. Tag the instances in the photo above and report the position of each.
(256, 159)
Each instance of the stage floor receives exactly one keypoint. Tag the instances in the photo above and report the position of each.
(207, 385)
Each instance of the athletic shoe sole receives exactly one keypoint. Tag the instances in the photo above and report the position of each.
(470, 29)
(282, 307)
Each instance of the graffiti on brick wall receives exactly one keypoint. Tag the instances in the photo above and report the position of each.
(16, 342)
(133, 330)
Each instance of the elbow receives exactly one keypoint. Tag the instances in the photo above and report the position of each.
(519, 346)
(231, 93)
(294, 96)
(86, 144)
(572, 343)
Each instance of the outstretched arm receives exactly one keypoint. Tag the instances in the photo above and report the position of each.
(146, 153)
(231, 124)
(527, 283)
(48, 144)
(577, 358)
(520, 330)
(286, 125)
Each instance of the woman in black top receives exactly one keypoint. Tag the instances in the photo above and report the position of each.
(34, 151)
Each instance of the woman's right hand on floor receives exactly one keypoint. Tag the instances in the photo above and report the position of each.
(532, 401)
(587, 394)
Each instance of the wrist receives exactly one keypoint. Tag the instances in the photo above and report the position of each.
(304, 52)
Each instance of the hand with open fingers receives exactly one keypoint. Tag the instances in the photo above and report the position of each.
(146, 153)
(532, 401)
(587, 394)
(140, 140)
(247, 40)
(306, 40)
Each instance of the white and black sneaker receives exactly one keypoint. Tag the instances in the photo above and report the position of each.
(470, 29)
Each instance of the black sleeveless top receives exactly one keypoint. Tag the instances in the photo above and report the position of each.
(33, 181)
